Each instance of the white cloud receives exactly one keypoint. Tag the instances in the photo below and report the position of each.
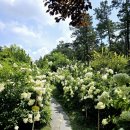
(24, 31)
(27, 10)
(40, 52)
(27, 23)
(65, 32)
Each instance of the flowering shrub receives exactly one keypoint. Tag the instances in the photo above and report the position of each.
(91, 92)
(24, 95)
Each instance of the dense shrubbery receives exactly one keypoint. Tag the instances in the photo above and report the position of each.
(99, 92)
(52, 62)
(24, 95)
(91, 92)
(109, 59)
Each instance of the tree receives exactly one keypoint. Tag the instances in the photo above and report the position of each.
(76, 9)
(14, 54)
(85, 41)
(124, 17)
(53, 61)
(105, 27)
(66, 49)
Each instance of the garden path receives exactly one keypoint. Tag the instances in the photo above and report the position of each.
(60, 121)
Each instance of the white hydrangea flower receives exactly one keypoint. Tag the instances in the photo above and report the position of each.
(1, 66)
(61, 77)
(90, 91)
(2, 87)
(81, 81)
(39, 83)
(44, 90)
(15, 65)
(37, 117)
(68, 99)
(90, 96)
(85, 97)
(92, 83)
(83, 87)
(31, 102)
(30, 116)
(39, 90)
(100, 105)
(110, 71)
(104, 121)
(83, 109)
(121, 129)
(30, 120)
(23, 69)
(25, 120)
(89, 74)
(29, 95)
(98, 72)
(16, 127)
(76, 88)
(104, 77)
(92, 88)
(24, 95)
(43, 81)
(119, 92)
(41, 105)
(104, 97)
(39, 98)
(29, 70)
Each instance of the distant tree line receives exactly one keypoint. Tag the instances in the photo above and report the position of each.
(115, 36)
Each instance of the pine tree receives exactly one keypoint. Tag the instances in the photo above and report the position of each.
(85, 41)
(105, 27)
(124, 17)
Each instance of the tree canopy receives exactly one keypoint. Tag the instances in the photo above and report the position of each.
(75, 9)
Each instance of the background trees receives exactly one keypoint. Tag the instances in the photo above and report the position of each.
(87, 36)
(105, 27)
(124, 22)
(14, 53)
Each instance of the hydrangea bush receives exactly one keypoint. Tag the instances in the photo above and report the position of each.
(99, 95)
(24, 96)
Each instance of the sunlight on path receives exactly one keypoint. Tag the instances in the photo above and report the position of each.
(60, 120)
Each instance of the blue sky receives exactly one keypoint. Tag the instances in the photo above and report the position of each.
(26, 23)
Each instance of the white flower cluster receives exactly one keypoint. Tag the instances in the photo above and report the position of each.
(125, 116)
(119, 92)
(15, 65)
(104, 121)
(2, 87)
(100, 105)
(32, 117)
(104, 76)
(26, 95)
(1, 66)
(16, 127)
(109, 71)
(104, 97)
(31, 102)
(89, 74)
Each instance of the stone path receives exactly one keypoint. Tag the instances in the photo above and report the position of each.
(60, 120)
